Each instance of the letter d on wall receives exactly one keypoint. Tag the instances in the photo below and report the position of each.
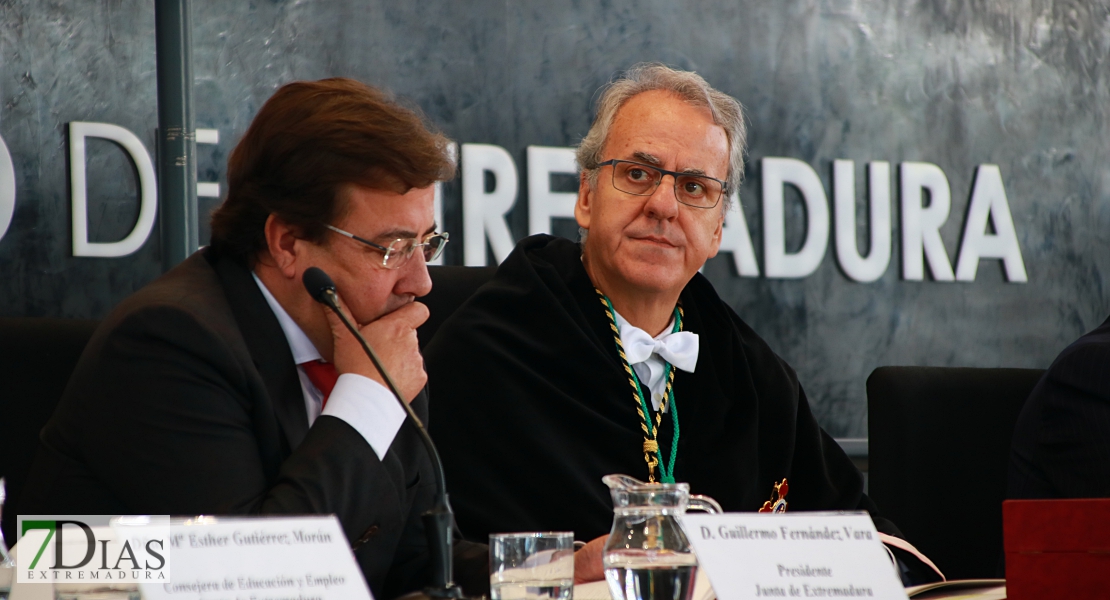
(148, 189)
(777, 172)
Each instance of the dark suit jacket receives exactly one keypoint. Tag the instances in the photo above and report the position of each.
(1061, 446)
(187, 401)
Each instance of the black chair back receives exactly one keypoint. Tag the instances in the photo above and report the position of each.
(939, 445)
(451, 286)
(36, 358)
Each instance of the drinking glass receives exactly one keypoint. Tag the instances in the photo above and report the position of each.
(531, 566)
(7, 567)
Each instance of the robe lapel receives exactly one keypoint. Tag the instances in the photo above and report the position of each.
(268, 347)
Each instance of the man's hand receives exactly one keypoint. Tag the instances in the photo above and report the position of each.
(587, 561)
(393, 338)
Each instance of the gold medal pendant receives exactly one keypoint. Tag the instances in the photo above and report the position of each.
(651, 447)
(777, 503)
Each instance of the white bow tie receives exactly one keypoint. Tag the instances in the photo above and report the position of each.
(678, 348)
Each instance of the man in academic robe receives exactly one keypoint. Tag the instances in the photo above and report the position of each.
(1061, 444)
(224, 388)
(615, 355)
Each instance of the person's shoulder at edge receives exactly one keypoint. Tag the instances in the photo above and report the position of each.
(174, 321)
(185, 310)
(1082, 363)
(544, 254)
(188, 287)
(533, 261)
(754, 348)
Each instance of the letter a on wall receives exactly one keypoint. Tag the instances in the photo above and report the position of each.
(988, 200)
(148, 189)
(736, 239)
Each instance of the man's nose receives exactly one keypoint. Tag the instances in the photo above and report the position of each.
(416, 280)
(663, 203)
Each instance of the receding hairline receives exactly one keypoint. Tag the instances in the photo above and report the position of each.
(649, 158)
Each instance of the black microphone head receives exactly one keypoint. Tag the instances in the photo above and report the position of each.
(318, 284)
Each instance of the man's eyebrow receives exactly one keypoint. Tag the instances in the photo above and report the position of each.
(403, 234)
(396, 234)
(654, 161)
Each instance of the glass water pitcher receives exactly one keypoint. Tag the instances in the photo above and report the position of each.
(647, 556)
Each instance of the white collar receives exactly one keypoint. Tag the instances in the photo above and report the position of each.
(651, 367)
(303, 349)
(623, 324)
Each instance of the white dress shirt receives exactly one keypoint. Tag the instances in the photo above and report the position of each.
(650, 370)
(363, 403)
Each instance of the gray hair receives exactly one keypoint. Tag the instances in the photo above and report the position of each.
(645, 77)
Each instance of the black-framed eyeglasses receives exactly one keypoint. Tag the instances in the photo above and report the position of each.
(399, 251)
(638, 179)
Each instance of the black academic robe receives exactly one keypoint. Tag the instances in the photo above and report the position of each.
(187, 401)
(532, 407)
(1061, 444)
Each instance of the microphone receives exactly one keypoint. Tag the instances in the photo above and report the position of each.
(439, 519)
(318, 284)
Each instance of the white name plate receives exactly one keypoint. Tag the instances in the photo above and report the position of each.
(274, 558)
(793, 555)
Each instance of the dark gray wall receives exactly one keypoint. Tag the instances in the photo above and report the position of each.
(1020, 84)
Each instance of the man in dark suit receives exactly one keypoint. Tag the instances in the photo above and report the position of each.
(224, 388)
(1061, 445)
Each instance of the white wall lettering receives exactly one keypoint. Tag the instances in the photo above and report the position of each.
(437, 203)
(544, 204)
(484, 213)
(777, 172)
(921, 224)
(988, 200)
(148, 189)
(844, 201)
(7, 188)
(925, 196)
(736, 239)
(208, 189)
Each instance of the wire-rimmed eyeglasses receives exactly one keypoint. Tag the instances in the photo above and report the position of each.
(638, 179)
(397, 252)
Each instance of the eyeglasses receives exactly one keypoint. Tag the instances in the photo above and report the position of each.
(638, 179)
(397, 252)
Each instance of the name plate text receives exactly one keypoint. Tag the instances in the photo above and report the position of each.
(793, 555)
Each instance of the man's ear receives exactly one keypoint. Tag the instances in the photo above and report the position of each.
(281, 244)
(584, 203)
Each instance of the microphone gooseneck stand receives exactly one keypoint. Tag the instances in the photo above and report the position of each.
(439, 520)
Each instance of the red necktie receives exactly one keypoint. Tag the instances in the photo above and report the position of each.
(322, 375)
